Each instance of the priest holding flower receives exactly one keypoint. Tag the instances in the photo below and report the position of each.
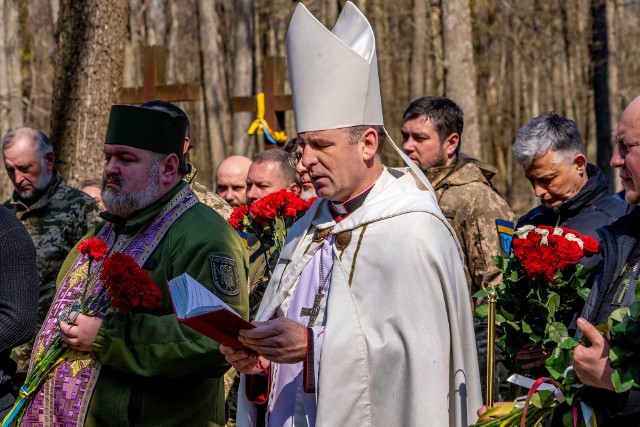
(134, 364)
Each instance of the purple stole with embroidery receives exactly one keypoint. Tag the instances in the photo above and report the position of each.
(64, 398)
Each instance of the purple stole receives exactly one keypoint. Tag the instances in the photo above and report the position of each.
(288, 378)
(63, 399)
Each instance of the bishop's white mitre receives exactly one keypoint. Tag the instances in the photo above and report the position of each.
(333, 74)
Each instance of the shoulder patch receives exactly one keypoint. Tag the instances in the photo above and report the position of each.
(224, 273)
(505, 233)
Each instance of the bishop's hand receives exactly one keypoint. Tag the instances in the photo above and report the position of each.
(279, 340)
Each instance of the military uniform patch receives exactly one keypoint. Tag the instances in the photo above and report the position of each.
(224, 274)
(505, 232)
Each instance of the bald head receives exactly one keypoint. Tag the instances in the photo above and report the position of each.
(626, 156)
(231, 180)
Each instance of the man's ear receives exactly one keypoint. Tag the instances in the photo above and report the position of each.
(49, 160)
(294, 188)
(369, 143)
(169, 169)
(187, 141)
(580, 162)
(451, 144)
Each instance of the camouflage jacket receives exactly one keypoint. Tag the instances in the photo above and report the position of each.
(206, 196)
(472, 206)
(56, 222)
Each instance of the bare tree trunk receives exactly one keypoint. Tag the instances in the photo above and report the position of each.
(41, 26)
(435, 83)
(87, 81)
(213, 82)
(243, 72)
(14, 72)
(600, 80)
(171, 38)
(55, 11)
(419, 49)
(4, 75)
(131, 74)
(460, 78)
(154, 22)
(5, 125)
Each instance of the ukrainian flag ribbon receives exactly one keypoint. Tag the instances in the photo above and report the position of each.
(261, 126)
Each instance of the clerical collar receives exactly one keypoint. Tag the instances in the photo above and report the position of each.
(340, 210)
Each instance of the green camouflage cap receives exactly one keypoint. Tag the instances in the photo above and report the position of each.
(148, 129)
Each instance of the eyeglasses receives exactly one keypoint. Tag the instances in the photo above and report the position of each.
(294, 158)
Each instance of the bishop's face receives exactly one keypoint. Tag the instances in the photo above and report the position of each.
(338, 168)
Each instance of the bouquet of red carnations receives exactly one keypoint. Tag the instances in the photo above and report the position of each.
(278, 211)
(124, 286)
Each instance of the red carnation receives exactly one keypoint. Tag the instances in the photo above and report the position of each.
(128, 285)
(237, 217)
(94, 248)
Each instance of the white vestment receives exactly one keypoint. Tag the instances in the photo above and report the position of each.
(399, 347)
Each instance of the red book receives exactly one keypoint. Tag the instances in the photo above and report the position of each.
(200, 309)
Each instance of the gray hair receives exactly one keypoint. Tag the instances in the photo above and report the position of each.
(548, 132)
(37, 137)
(280, 157)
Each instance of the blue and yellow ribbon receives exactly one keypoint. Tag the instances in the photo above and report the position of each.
(17, 405)
(261, 126)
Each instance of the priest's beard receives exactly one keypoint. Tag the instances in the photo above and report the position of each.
(38, 189)
(306, 195)
(124, 203)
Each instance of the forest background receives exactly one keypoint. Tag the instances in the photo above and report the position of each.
(63, 63)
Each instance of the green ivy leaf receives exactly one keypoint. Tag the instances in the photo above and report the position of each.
(482, 293)
(619, 314)
(583, 293)
(541, 397)
(514, 276)
(622, 380)
(618, 354)
(558, 362)
(553, 302)
(482, 311)
(569, 343)
(556, 332)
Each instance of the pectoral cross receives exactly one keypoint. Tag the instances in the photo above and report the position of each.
(313, 312)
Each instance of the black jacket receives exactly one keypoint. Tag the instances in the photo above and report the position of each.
(611, 290)
(585, 212)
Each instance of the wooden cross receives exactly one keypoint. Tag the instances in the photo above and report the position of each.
(154, 77)
(275, 101)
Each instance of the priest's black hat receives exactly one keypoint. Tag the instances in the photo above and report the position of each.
(153, 130)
